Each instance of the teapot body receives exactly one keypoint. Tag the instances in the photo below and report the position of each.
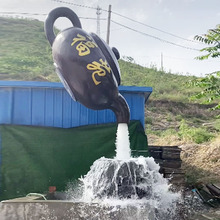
(83, 69)
(86, 65)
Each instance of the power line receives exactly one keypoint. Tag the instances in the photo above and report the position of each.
(101, 19)
(192, 59)
(95, 8)
(20, 13)
(116, 29)
(78, 5)
(70, 3)
(165, 32)
(123, 16)
(157, 38)
(89, 18)
(37, 14)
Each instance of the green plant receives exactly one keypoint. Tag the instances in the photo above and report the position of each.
(217, 124)
(168, 132)
(148, 120)
(197, 135)
(25, 54)
(169, 117)
(191, 177)
(149, 130)
(179, 117)
(211, 83)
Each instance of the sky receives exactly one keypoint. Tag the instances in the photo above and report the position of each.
(155, 33)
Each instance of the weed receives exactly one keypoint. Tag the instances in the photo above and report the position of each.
(148, 120)
(149, 130)
(179, 118)
(169, 118)
(168, 132)
(217, 125)
(197, 135)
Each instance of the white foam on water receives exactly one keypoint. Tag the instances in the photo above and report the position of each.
(105, 174)
(102, 185)
(132, 186)
(123, 151)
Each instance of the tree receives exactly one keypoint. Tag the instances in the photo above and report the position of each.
(210, 84)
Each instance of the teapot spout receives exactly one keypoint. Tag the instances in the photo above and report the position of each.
(121, 110)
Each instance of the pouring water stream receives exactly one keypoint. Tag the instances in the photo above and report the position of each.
(123, 151)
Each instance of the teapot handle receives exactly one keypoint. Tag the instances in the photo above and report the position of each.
(53, 15)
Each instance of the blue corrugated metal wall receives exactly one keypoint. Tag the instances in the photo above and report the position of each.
(48, 104)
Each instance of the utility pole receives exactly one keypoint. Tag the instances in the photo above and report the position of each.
(161, 62)
(98, 12)
(109, 21)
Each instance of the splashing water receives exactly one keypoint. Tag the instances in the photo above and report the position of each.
(133, 186)
(137, 178)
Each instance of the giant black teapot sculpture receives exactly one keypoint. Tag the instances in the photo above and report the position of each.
(86, 65)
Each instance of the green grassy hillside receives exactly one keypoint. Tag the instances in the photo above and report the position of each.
(166, 86)
(26, 55)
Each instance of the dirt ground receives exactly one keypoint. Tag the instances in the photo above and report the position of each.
(200, 162)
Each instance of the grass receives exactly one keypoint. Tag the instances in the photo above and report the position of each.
(26, 55)
(166, 86)
(193, 134)
(192, 127)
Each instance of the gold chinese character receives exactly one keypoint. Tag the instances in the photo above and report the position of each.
(91, 44)
(80, 38)
(99, 68)
(83, 49)
(84, 45)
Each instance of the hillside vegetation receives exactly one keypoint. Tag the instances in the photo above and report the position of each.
(166, 86)
(171, 117)
(26, 55)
